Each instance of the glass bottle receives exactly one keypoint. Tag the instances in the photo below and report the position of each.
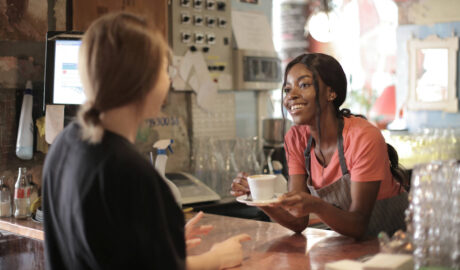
(5, 199)
(22, 195)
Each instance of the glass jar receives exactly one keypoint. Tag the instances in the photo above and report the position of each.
(5, 199)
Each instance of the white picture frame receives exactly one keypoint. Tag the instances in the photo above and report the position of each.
(433, 74)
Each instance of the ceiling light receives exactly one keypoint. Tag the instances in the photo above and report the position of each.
(322, 24)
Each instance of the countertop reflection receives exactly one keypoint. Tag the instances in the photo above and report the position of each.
(272, 246)
(275, 247)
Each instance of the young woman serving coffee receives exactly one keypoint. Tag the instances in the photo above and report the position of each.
(340, 167)
(105, 206)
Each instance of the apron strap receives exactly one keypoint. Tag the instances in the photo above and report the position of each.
(307, 155)
(343, 164)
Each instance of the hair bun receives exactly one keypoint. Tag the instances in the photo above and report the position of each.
(93, 112)
(90, 121)
(91, 116)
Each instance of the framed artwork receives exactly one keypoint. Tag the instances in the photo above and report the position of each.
(433, 74)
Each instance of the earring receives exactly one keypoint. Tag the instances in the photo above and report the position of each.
(332, 96)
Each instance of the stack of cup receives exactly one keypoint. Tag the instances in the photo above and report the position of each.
(434, 214)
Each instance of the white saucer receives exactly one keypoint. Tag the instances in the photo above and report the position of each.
(244, 199)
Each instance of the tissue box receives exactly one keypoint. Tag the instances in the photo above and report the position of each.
(384, 261)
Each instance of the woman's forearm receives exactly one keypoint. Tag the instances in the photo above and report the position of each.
(353, 224)
(353, 221)
(284, 218)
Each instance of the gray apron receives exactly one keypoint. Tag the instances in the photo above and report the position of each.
(387, 215)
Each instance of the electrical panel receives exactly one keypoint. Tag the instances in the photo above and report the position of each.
(256, 70)
(204, 26)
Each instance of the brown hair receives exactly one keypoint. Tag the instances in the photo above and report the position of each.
(119, 62)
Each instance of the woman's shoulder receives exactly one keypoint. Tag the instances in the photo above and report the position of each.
(70, 134)
(358, 132)
(113, 155)
(297, 134)
(355, 125)
(126, 158)
(298, 131)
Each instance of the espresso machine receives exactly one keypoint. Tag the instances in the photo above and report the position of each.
(273, 131)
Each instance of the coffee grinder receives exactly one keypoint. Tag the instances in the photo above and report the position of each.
(273, 131)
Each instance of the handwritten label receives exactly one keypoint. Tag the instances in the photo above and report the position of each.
(164, 121)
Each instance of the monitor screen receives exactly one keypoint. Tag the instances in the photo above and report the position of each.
(67, 85)
(62, 80)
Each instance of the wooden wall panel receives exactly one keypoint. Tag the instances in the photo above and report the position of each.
(86, 11)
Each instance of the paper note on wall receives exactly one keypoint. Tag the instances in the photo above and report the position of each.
(252, 31)
(177, 82)
(194, 70)
(194, 83)
(200, 66)
(54, 122)
(207, 95)
(186, 65)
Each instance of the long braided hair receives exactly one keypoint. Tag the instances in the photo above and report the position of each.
(330, 71)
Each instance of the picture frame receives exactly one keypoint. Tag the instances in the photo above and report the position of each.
(433, 74)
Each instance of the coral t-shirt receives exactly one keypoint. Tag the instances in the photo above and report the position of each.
(365, 154)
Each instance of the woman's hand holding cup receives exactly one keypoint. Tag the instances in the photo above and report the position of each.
(240, 185)
(262, 186)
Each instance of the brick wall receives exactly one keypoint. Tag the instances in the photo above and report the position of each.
(23, 26)
(8, 126)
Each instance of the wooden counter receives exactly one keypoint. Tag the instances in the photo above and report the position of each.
(275, 247)
(272, 246)
(24, 227)
(22, 246)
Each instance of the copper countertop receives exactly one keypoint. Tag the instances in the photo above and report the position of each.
(272, 246)
(275, 247)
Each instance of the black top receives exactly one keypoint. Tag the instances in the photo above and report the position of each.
(106, 207)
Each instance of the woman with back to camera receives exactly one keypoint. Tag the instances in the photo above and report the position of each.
(105, 206)
(340, 167)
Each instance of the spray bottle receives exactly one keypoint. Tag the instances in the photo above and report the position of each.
(160, 166)
(281, 182)
(25, 140)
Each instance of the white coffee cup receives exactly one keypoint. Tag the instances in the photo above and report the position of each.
(262, 186)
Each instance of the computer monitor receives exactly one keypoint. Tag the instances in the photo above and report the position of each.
(62, 80)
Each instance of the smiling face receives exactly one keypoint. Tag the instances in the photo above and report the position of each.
(300, 95)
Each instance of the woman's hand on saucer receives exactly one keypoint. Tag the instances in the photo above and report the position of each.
(297, 203)
(192, 232)
(240, 185)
